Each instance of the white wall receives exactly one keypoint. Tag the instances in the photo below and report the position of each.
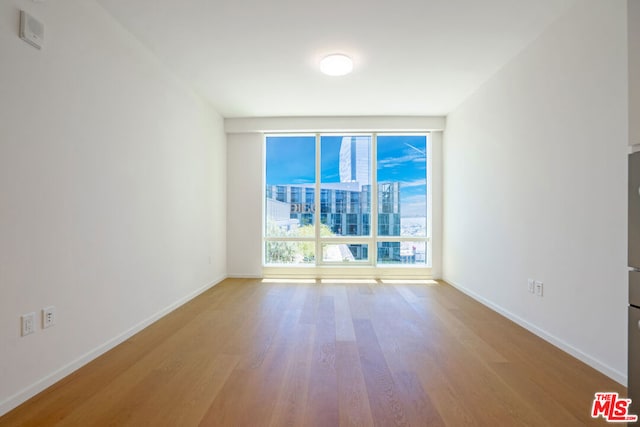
(113, 191)
(245, 180)
(335, 124)
(435, 163)
(535, 187)
(244, 204)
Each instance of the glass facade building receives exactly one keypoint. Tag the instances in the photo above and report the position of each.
(345, 210)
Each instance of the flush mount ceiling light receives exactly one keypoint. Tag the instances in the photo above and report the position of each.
(336, 65)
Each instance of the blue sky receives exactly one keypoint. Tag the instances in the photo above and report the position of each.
(291, 160)
(401, 158)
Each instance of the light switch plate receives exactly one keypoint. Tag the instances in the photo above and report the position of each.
(539, 288)
(28, 322)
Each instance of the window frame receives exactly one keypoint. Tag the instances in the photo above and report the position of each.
(370, 267)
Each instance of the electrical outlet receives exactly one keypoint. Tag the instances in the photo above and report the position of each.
(48, 317)
(530, 285)
(539, 286)
(28, 323)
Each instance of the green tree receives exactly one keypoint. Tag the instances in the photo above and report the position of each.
(309, 248)
(288, 252)
(279, 252)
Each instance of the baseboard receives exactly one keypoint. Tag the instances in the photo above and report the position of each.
(244, 276)
(40, 385)
(612, 373)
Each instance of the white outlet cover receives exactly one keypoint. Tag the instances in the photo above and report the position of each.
(48, 317)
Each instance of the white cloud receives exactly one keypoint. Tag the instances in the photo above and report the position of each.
(398, 161)
(301, 181)
(423, 153)
(414, 183)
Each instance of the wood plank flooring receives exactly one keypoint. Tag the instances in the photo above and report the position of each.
(249, 353)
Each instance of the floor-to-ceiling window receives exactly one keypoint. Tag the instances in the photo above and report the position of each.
(347, 200)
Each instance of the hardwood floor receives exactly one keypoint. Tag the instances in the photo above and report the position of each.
(248, 353)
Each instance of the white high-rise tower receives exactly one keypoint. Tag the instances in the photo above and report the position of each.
(354, 160)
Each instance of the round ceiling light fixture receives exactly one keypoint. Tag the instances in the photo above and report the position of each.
(336, 64)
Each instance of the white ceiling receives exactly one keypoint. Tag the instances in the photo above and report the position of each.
(260, 58)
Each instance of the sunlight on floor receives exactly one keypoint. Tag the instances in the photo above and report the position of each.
(348, 281)
(288, 280)
(409, 282)
(428, 282)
